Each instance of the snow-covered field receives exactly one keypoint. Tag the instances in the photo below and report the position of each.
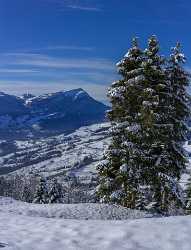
(21, 229)
(26, 233)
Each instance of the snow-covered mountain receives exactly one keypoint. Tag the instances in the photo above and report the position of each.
(48, 114)
(74, 154)
(11, 106)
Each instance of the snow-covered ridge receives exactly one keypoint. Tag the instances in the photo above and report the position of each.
(74, 94)
(49, 113)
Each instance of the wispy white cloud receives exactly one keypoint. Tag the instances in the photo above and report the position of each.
(99, 64)
(42, 73)
(45, 61)
(59, 47)
(80, 5)
(84, 8)
(12, 56)
(3, 70)
(65, 47)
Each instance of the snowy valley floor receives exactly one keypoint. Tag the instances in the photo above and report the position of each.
(26, 227)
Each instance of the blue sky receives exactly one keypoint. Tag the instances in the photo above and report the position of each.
(53, 45)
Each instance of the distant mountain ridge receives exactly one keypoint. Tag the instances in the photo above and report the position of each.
(48, 114)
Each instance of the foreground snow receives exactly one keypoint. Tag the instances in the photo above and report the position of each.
(21, 229)
(36, 233)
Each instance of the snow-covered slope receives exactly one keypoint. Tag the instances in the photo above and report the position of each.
(82, 211)
(76, 153)
(29, 232)
(48, 114)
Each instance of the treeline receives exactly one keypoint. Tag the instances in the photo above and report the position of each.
(36, 189)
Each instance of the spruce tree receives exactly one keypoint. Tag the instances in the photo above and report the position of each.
(41, 194)
(181, 110)
(180, 105)
(120, 171)
(145, 159)
(55, 192)
(162, 171)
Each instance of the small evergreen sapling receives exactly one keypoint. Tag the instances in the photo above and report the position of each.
(41, 194)
(55, 192)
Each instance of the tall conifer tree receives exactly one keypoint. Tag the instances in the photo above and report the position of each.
(145, 159)
(119, 171)
(181, 110)
(180, 106)
(162, 170)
